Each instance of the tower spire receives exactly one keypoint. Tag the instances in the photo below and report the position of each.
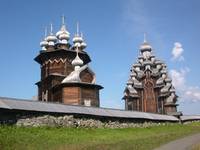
(77, 28)
(145, 38)
(45, 32)
(63, 19)
(63, 27)
(44, 42)
(51, 29)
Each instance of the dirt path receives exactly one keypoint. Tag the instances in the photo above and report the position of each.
(181, 144)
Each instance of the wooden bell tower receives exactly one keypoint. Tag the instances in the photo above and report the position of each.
(55, 61)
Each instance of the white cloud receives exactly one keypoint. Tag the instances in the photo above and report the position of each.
(178, 78)
(177, 52)
(186, 92)
(193, 94)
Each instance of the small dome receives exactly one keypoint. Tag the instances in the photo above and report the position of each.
(158, 62)
(133, 74)
(83, 45)
(163, 71)
(152, 56)
(130, 82)
(147, 62)
(62, 31)
(77, 45)
(63, 36)
(64, 41)
(137, 65)
(77, 61)
(59, 32)
(172, 90)
(145, 47)
(51, 38)
(164, 65)
(159, 81)
(43, 43)
(141, 57)
(77, 39)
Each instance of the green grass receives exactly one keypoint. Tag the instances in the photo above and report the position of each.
(46, 138)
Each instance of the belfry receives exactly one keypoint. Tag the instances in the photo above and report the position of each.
(149, 88)
(65, 74)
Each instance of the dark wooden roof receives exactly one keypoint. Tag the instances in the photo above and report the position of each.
(78, 84)
(45, 55)
(30, 105)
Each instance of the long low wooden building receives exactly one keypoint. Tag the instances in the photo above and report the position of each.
(10, 107)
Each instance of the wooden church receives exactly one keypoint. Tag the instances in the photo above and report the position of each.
(65, 74)
(67, 78)
(149, 88)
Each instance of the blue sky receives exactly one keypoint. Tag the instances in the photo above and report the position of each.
(113, 31)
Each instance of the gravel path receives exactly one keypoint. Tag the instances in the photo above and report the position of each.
(181, 144)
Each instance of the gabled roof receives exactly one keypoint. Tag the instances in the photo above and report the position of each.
(190, 117)
(30, 105)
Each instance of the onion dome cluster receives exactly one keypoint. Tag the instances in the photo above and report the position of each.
(157, 69)
(62, 37)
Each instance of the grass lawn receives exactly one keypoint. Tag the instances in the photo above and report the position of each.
(49, 138)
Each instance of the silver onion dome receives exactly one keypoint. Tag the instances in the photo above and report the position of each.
(44, 42)
(63, 35)
(145, 45)
(77, 62)
(78, 40)
(83, 45)
(51, 39)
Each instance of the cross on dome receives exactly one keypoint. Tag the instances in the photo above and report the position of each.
(51, 29)
(63, 19)
(77, 28)
(77, 62)
(78, 39)
(51, 39)
(63, 35)
(145, 46)
(145, 38)
(44, 42)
